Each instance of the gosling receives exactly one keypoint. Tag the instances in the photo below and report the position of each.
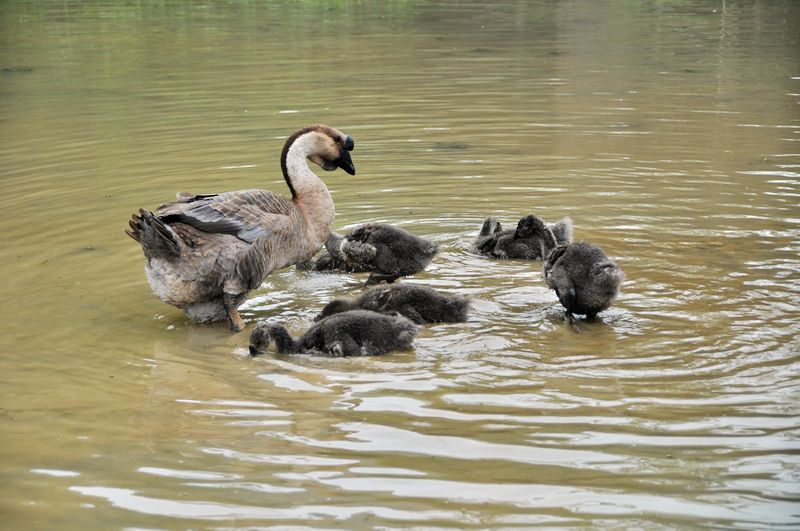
(584, 278)
(387, 251)
(420, 304)
(531, 240)
(353, 333)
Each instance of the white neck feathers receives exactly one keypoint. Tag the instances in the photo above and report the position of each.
(301, 178)
(309, 192)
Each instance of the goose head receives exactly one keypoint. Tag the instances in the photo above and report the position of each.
(325, 146)
(333, 150)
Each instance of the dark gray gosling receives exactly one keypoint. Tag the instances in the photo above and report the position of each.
(420, 304)
(387, 251)
(353, 333)
(584, 278)
(531, 240)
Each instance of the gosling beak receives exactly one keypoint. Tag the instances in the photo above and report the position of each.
(345, 162)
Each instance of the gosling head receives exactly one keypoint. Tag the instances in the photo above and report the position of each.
(528, 227)
(259, 339)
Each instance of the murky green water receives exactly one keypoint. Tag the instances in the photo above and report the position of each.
(668, 131)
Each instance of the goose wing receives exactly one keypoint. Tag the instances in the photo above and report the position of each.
(246, 214)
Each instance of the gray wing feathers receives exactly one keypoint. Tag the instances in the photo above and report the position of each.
(261, 258)
(246, 214)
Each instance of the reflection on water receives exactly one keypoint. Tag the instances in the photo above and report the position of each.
(668, 132)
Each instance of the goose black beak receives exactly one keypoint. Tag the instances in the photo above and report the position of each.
(345, 162)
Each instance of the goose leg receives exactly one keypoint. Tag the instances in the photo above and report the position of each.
(572, 321)
(231, 301)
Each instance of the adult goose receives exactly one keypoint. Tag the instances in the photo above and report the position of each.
(353, 333)
(204, 253)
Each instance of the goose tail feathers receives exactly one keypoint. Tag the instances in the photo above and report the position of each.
(157, 239)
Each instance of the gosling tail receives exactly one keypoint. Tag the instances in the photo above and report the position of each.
(608, 275)
(562, 230)
(457, 308)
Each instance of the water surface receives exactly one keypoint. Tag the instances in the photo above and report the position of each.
(669, 132)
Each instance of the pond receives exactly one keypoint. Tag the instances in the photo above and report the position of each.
(668, 131)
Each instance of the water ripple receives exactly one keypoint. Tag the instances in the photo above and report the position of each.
(671, 145)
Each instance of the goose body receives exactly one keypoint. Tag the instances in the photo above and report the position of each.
(533, 239)
(584, 278)
(352, 333)
(204, 253)
(387, 251)
(420, 304)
